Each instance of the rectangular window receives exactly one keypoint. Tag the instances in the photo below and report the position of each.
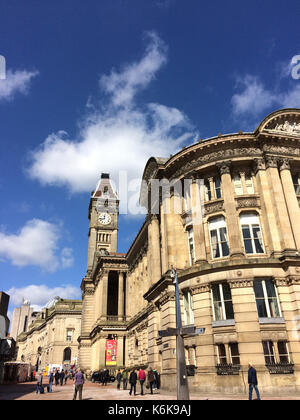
(69, 335)
(269, 354)
(221, 354)
(267, 302)
(222, 302)
(207, 190)
(188, 307)
(218, 238)
(252, 236)
(191, 246)
(249, 184)
(217, 185)
(296, 183)
(234, 353)
(283, 352)
(238, 187)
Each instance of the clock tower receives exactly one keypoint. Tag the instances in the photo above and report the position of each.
(103, 216)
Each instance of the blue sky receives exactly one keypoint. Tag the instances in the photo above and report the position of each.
(100, 86)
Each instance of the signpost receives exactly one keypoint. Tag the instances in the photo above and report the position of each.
(179, 332)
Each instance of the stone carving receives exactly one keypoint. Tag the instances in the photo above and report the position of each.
(214, 207)
(287, 127)
(243, 202)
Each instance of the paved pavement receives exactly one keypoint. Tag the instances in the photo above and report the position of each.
(26, 391)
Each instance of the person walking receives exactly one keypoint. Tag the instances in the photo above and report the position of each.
(62, 377)
(56, 377)
(125, 379)
(132, 381)
(39, 384)
(78, 384)
(151, 379)
(142, 378)
(51, 378)
(119, 378)
(106, 376)
(252, 381)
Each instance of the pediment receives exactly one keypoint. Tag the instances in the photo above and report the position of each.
(284, 122)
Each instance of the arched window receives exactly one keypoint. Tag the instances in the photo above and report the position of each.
(67, 354)
(218, 237)
(252, 236)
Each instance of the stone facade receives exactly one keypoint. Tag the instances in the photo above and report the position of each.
(238, 268)
(52, 337)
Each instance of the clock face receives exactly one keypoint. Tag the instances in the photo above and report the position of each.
(104, 218)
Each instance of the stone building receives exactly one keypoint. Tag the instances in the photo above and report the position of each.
(21, 319)
(51, 339)
(230, 225)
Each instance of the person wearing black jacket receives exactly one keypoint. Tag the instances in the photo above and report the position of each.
(133, 381)
(252, 381)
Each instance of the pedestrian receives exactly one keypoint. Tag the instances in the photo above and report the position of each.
(106, 376)
(39, 384)
(252, 381)
(155, 379)
(56, 377)
(151, 379)
(78, 384)
(119, 378)
(62, 377)
(125, 379)
(142, 378)
(67, 375)
(50, 377)
(132, 381)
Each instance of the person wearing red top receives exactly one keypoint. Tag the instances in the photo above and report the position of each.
(142, 378)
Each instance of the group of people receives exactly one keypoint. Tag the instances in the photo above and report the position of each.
(152, 379)
(59, 377)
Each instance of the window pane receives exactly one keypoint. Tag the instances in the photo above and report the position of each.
(222, 353)
(268, 352)
(249, 184)
(234, 350)
(218, 192)
(218, 311)
(226, 291)
(261, 308)
(274, 308)
(248, 246)
(258, 290)
(214, 244)
(246, 232)
(216, 293)
(229, 310)
(270, 288)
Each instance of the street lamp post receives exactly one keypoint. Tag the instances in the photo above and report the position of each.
(182, 382)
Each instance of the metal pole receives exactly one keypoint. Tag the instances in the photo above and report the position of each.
(182, 382)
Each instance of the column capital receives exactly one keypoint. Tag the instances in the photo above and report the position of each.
(284, 163)
(259, 164)
(271, 161)
(224, 167)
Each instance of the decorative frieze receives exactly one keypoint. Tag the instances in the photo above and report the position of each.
(213, 207)
(239, 283)
(244, 202)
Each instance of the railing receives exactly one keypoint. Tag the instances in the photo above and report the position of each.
(281, 368)
(227, 369)
(113, 318)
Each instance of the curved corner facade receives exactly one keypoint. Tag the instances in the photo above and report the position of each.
(230, 224)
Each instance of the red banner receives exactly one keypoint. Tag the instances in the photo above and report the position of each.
(111, 353)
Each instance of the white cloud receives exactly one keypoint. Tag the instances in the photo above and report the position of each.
(35, 244)
(254, 98)
(67, 258)
(15, 82)
(119, 136)
(40, 295)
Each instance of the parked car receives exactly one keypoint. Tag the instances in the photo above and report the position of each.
(97, 377)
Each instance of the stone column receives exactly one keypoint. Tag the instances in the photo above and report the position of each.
(197, 200)
(278, 199)
(290, 198)
(232, 219)
(91, 247)
(154, 248)
(268, 210)
(121, 295)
